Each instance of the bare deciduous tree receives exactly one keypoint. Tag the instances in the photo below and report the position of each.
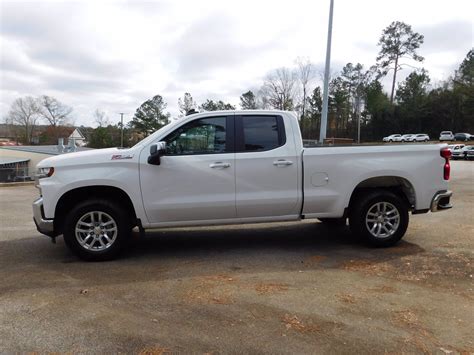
(101, 118)
(25, 112)
(305, 74)
(279, 89)
(55, 112)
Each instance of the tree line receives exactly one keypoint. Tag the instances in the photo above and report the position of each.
(356, 95)
(356, 98)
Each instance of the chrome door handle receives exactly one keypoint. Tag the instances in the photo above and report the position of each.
(219, 165)
(282, 162)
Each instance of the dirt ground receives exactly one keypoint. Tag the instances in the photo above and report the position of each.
(273, 288)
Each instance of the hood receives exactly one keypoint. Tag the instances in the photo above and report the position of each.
(93, 156)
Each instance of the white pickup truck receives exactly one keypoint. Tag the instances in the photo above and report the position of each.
(233, 167)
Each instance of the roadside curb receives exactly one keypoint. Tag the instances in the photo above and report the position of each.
(13, 184)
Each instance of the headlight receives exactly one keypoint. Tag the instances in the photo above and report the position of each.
(43, 173)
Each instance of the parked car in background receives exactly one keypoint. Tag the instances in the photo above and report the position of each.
(446, 136)
(456, 150)
(393, 138)
(468, 152)
(464, 137)
(406, 137)
(421, 137)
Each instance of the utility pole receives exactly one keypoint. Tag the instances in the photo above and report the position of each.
(324, 114)
(358, 127)
(121, 129)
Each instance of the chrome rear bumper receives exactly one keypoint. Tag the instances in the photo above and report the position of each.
(441, 201)
(43, 225)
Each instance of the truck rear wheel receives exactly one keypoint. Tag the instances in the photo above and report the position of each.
(380, 217)
(97, 230)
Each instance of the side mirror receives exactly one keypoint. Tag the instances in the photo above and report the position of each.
(156, 151)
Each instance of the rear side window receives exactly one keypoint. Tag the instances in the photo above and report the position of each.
(262, 133)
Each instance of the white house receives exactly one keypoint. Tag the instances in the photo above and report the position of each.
(78, 138)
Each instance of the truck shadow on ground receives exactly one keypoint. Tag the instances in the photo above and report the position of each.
(253, 240)
(173, 254)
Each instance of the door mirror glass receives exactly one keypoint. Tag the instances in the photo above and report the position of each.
(161, 146)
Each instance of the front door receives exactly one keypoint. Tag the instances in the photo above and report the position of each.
(195, 180)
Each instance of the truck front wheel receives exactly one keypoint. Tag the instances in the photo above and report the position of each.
(97, 230)
(380, 217)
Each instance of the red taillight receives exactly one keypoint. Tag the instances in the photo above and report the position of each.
(447, 170)
(446, 154)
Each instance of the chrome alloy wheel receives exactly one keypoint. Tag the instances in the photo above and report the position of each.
(96, 231)
(382, 219)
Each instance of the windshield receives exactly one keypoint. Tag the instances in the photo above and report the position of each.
(153, 136)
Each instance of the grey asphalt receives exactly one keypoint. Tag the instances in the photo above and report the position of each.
(268, 288)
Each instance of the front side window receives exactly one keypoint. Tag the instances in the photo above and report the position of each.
(260, 133)
(203, 136)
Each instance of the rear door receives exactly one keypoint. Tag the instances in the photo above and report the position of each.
(266, 167)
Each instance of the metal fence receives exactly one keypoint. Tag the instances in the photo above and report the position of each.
(14, 174)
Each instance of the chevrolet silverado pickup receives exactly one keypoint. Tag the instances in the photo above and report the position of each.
(234, 167)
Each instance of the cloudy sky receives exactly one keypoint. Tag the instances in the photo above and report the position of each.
(113, 55)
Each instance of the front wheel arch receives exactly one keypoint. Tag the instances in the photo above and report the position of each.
(75, 196)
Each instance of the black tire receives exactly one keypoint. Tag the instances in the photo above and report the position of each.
(122, 233)
(358, 213)
(334, 222)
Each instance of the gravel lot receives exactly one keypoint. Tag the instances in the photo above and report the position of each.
(274, 288)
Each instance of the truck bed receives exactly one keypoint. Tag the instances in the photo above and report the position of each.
(331, 173)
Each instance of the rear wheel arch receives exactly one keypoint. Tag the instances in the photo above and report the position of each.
(396, 184)
(75, 196)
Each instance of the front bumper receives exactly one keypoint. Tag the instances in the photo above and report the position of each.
(43, 225)
(441, 201)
